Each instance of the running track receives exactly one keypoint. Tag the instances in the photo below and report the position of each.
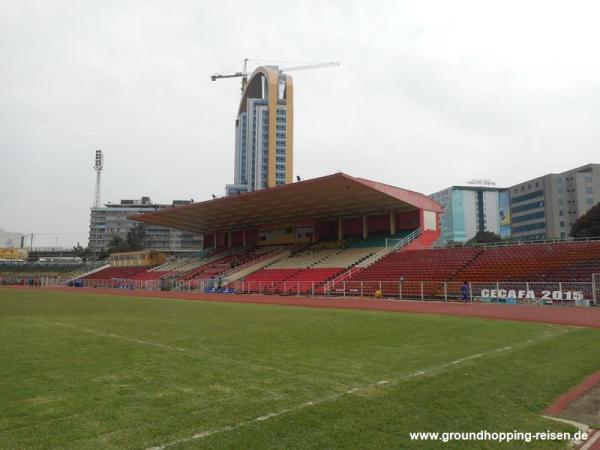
(560, 315)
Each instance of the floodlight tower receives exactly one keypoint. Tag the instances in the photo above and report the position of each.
(99, 164)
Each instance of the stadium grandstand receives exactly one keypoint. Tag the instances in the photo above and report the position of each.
(312, 230)
(341, 235)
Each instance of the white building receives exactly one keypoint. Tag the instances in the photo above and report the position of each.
(110, 221)
(11, 240)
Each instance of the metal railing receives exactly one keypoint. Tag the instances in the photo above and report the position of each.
(509, 243)
(509, 292)
(399, 243)
(50, 249)
(121, 283)
(308, 288)
(30, 280)
(522, 292)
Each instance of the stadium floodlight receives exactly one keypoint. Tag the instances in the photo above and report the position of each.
(98, 166)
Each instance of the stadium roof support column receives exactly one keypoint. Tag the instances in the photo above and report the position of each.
(340, 229)
(392, 223)
(215, 240)
(229, 239)
(244, 237)
(365, 231)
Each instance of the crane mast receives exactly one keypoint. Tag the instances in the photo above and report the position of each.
(243, 74)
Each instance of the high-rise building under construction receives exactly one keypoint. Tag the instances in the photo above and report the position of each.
(264, 132)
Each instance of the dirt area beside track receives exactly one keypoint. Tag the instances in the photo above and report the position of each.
(585, 409)
(581, 404)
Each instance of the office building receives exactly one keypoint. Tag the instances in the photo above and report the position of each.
(547, 207)
(471, 209)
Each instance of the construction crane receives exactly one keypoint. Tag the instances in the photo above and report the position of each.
(244, 73)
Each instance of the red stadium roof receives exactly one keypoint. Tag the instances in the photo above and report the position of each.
(324, 198)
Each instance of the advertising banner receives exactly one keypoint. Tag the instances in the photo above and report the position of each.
(504, 211)
(13, 253)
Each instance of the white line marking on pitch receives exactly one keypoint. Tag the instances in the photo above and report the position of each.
(116, 336)
(434, 370)
(179, 349)
(582, 427)
(468, 358)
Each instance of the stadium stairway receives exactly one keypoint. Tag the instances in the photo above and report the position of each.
(305, 259)
(425, 240)
(174, 269)
(311, 268)
(194, 267)
(86, 270)
(190, 264)
(170, 265)
(185, 264)
(255, 265)
(404, 239)
(228, 261)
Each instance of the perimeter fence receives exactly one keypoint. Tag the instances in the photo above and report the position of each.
(511, 292)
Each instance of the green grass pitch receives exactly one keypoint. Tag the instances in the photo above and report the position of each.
(88, 371)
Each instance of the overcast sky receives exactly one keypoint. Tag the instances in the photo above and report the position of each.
(429, 94)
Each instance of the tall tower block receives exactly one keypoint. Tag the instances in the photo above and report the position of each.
(264, 132)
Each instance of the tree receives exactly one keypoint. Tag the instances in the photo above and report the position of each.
(132, 243)
(587, 225)
(83, 253)
(135, 238)
(116, 245)
(484, 237)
